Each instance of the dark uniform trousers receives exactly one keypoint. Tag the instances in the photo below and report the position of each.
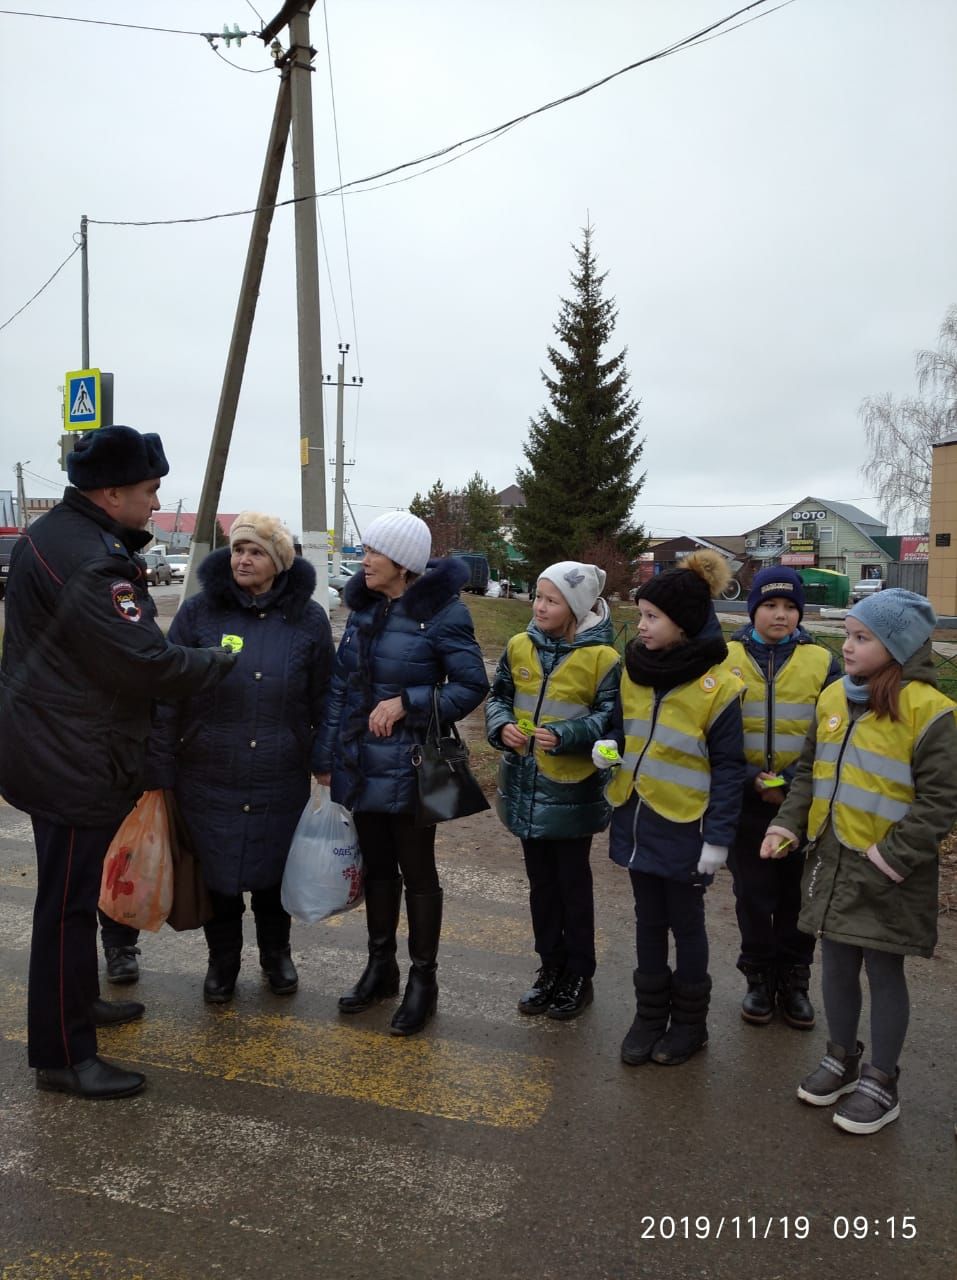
(767, 895)
(63, 955)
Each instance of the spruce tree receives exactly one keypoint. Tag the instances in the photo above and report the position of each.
(582, 449)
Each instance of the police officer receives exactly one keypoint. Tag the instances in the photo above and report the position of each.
(83, 661)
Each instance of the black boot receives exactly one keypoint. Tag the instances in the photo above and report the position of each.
(688, 1031)
(653, 1002)
(122, 965)
(421, 993)
(380, 978)
(275, 954)
(224, 938)
(793, 1001)
(757, 1007)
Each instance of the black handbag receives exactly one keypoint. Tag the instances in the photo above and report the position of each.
(447, 788)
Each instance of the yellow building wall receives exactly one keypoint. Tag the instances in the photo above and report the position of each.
(942, 564)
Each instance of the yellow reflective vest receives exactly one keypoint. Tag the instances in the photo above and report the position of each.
(666, 749)
(777, 713)
(862, 777)
(567, 693)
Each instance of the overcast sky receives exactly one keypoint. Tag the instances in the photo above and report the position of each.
(775, 210)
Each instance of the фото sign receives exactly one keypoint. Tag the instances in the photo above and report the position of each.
(808, 515)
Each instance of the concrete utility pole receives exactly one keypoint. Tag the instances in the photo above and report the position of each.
(340, 460)
(202, 542)
(315, 538)
(22, 520)
(84, 295)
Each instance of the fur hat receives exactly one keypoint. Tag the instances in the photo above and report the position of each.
(115, 456)
(580, 584)
(401, 536)
(776, 583)
(901, 620)
(267, 532)
(685, 593)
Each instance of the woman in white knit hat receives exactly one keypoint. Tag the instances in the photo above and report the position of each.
(408, 632)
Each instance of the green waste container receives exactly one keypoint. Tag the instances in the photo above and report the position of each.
(826, 586)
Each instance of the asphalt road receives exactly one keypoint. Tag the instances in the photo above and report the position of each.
(277, 1138)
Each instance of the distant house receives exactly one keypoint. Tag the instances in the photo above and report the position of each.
(508, 501)
(822, 533)
(163, 530)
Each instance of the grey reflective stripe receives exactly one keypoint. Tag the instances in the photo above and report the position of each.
(563, 710)
(524, 701)
(629, 760)
(794, 710)
(822, 788)
(882, 766)
(828, 751)
(666, 772)
(691, 746)
(789, 742)
(867, 802)
(637, 728)
(754, 742)
(755, 709)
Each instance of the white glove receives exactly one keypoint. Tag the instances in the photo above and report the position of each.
(712, 857)
(605, 762)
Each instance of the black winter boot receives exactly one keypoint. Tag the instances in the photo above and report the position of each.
(421, 993)
(275, 954)
(757, 1007)
(653, 1002)
(225, 941)
(380, 978)
(688, 1031)
(796, 1008)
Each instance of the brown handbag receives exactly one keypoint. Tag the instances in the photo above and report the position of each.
(192, 905)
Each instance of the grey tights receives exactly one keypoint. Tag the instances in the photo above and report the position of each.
(890, 1004)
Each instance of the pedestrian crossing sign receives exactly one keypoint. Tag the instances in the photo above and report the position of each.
(82, 400)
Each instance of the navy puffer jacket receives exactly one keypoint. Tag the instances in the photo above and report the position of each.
(393, 648)
(240, 757)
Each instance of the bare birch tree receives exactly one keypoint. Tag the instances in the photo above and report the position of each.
(901, 434)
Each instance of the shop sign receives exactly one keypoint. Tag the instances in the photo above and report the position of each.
(798, 557)
(808, 515)
(915, 548)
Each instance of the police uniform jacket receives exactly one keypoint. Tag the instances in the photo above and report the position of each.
(239, 755)
(397, 648)
(844, 895)
(83, 660)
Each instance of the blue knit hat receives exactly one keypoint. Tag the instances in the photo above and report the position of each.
(901, 620)
(777, 582)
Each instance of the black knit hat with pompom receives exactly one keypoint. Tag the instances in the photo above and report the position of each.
(685, 593)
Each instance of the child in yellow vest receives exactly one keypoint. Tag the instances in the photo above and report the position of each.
(876, 792)
(784, 672)
(554, 693)
(677, 796)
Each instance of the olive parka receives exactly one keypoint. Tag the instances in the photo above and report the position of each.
(531, 805)
(844, 896)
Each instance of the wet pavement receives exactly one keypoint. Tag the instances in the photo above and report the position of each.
(278, 1138)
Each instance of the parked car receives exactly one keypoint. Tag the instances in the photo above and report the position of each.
(478, 571)
(177, 566)
(158, 571)
(866, 587)
(7, 543)
(346, 569)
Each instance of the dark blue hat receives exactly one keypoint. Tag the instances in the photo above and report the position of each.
(114, 456)
(775, 583)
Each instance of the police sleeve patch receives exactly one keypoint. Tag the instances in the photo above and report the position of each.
(125, 602)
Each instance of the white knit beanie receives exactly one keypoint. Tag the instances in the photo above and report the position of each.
(267, 532)
(580, 584)
(402, 537)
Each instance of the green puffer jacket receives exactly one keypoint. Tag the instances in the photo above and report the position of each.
(532, 806)
(844, 896)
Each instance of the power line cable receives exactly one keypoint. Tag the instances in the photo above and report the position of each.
(256, 12)
(733, 506)
(480, 139)
(75, 249)
(335, 309)
(253, 71)
(102, 22)
(342, 199)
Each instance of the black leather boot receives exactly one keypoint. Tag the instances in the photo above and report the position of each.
(380, 978)
(225, 941)
(688, 1031)
(653, 1003)
(113, 1013)
(424, 911)
(122, 965)
(793, 1001)
(275, 954)
(93, 1079)
(757, 1007)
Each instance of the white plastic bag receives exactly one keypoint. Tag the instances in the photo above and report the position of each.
(323, 872)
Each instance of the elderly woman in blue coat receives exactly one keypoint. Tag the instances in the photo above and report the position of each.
(407, 634)
(240, 762)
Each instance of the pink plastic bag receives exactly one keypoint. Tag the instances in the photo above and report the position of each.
(137, 884)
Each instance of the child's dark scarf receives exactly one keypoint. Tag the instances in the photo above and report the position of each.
(665, 669)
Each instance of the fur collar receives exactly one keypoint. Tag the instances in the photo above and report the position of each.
(428, 594)
(291, 591)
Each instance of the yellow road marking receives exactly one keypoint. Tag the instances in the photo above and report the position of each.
(94, 1264)
(424, 1074)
